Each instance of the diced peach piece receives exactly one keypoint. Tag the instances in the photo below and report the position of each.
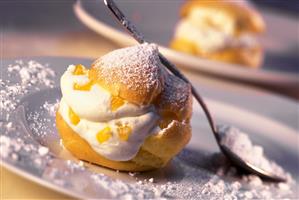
(75, 119)
(104, 135)
(84, 87)
(116, 102)
(79, 70)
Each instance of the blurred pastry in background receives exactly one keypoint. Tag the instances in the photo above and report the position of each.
(220, 30)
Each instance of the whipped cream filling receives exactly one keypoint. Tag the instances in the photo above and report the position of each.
(94, 104)
(211, 18)
(114, 149)
(211, 30)
(93, 109)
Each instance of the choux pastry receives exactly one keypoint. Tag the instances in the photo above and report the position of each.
(126, 112)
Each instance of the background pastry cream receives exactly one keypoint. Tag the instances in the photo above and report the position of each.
(211, 30)
(116, 135)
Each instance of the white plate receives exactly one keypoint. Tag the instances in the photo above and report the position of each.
(157, 21)
(58, 170)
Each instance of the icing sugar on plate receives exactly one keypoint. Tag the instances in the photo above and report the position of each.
(240, 143)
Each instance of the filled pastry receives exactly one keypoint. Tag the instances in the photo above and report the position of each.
(221, 30)
(126, 112)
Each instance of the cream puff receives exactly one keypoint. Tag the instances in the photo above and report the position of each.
(221, 30)
(126, 112)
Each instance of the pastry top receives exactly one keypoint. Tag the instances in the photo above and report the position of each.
(132, 73)
(245, 18)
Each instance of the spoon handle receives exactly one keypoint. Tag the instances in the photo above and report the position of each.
(170, 66)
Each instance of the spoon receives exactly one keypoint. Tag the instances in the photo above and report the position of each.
(233, 157)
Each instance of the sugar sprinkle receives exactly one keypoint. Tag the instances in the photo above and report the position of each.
(240, 143)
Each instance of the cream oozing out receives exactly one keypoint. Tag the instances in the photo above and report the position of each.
(94, 104)
(211, 30)
(95, 116)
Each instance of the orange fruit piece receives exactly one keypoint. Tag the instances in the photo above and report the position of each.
(104, 135)
(75, 119)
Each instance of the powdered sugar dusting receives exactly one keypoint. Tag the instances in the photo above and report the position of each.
(51, 108)
(22, 78)
(28, 74)
(240, 144)
(225, 181)
(175, 95)
(176, 90)
(33, 72)
(137, 67)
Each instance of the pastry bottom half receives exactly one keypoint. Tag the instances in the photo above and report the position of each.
(155, 153)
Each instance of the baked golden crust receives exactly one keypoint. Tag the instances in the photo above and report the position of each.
(247, 19)
(133, 74)
(175, 100)
(170, 141)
